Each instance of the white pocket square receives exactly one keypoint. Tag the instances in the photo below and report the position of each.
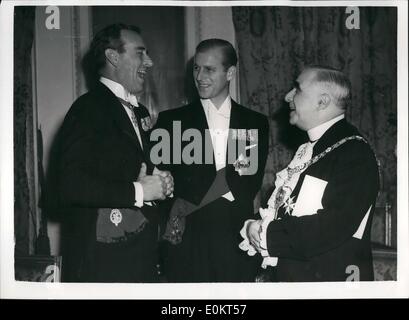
(310, 196)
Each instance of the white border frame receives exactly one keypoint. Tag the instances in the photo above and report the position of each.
(28, 290)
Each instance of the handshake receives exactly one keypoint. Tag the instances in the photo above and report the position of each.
(157, 186)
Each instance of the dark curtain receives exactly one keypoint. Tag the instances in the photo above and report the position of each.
(275, 43)
(24, 211)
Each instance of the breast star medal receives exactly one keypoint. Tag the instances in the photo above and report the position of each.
(289, 205)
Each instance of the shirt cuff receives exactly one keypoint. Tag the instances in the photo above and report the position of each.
(245, 244)
(138, 195)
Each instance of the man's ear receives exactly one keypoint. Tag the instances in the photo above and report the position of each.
(231, 73)
(324, 101)
(112, 56)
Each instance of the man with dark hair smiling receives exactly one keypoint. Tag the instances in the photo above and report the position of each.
(106, 179)
(213, 199)
(318, 221)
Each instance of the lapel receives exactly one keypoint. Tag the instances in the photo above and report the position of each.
(235, 123)
(199, 122)
(338, 131)
(144, 135)
(234, 116)
(118, 114)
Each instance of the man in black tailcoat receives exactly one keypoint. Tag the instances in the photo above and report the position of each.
(215, 189)
(317, 226)
(107, 183)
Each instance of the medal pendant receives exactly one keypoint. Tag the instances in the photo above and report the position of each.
(115, 217)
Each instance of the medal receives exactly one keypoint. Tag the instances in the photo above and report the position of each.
(289, 205)
(282, 195)
(115, 217)
(146, 124)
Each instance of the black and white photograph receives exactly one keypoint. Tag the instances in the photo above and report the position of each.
(204, 149)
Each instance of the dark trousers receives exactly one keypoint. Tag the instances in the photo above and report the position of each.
(209, 250)
(132, 261)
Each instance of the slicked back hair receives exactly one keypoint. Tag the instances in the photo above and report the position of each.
(108, 38)
(229, 53)
(337, 82)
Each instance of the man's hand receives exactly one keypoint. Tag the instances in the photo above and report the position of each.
(168, 180)
(155, 186)
(253, 233)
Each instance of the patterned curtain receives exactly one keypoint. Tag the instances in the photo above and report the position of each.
(275, 43)
(24, 208)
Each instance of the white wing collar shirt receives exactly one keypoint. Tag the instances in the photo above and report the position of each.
(119, 91)
(218, 121)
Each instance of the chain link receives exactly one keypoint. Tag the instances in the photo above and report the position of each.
(305, 165)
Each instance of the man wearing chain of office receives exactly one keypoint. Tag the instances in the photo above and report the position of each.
(318, 220)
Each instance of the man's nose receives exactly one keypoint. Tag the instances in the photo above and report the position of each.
(290, 95)
(147, 61)
(198, 74)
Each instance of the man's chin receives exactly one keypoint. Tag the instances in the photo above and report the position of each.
(204, 96)
(136, 91)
